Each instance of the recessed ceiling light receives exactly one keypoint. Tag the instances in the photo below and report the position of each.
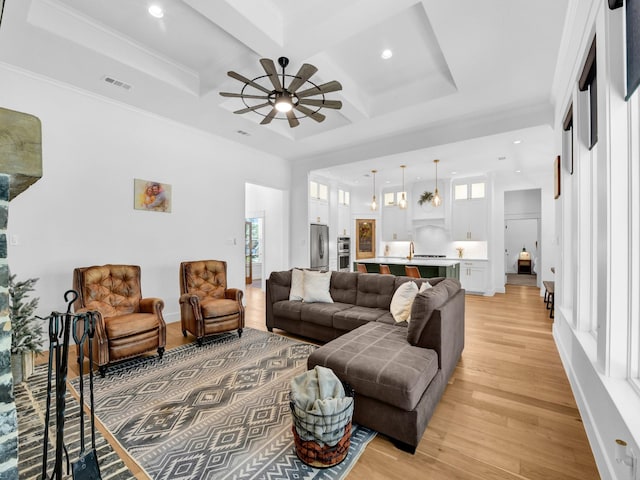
(386, 54)
(453, 173)
(517, 141)
(418, 178)
(387, 181)
(517, 171)
(156, 11)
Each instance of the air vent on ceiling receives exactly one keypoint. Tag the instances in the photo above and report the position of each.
(242, 132)
(117, 83)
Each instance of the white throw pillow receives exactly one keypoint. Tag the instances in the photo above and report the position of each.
(424, 287)
(297, 284)
(402, 301)
(316, 287)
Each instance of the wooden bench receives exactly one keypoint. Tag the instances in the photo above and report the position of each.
(549, 286)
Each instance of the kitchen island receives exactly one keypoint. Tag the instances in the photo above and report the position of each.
(428, 267)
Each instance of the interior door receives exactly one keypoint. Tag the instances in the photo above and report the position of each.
(248, 242)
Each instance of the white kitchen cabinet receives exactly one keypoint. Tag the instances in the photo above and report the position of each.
(396, 223)
(473, 275)
(469, 212)
(344, 220)
(318, 211)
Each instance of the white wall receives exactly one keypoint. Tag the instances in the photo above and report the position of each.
(81, 212)
(596, 213)
(273, 206)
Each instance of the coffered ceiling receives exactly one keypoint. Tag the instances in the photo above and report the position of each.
(460, 70)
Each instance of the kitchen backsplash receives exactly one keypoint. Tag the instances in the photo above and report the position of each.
(476, 250)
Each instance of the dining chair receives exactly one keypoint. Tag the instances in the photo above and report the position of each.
(362, 268)
(411, 271)
(384, 269)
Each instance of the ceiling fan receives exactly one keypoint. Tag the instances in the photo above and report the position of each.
(285, 101)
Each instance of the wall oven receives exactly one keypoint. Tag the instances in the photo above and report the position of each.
(344, 254)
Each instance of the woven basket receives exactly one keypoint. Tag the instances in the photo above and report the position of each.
(312, 452)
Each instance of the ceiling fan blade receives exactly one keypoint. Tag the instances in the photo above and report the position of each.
(328, 87)
(337, 104)
(318, 117)
(270, 69)
(304, 74)
(293, 121)
(243, 79)
(251, 109)
(266, 120)
(240, 95)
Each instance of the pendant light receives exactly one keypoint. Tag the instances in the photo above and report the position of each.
(436, 201)
(402, 203)
(374, 205)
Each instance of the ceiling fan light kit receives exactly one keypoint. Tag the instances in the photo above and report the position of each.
(285, 101)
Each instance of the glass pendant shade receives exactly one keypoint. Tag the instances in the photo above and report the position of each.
(374, 204)
(402, 203)
(436, 201)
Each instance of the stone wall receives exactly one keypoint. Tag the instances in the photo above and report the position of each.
(20, 167)
(8, 419)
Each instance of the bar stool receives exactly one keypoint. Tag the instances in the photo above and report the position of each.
(384, 270)
(362, 268)
(411, 271)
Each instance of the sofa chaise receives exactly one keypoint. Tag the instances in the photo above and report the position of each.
(398, 370)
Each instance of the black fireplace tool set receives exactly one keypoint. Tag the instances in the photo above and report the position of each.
(62, 326)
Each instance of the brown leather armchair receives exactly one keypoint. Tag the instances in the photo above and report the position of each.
(206, 304)
(127, 325)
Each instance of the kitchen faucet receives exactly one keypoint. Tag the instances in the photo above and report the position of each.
(411, 250)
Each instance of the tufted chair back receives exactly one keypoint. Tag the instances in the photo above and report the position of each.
(207, 306)
(111, 289)
(127, 324)
(205, 278)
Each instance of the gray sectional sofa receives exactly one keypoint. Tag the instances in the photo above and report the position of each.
(397, 370)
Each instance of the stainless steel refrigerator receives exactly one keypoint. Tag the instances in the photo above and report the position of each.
(319, 243)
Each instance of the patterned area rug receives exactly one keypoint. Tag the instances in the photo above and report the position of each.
(31, 403)
(219, 411)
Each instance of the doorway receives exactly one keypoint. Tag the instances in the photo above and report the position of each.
(270, 231)
(522, 237)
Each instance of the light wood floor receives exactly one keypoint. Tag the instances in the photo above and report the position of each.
(507, 413)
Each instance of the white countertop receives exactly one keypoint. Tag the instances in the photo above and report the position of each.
(427, 262)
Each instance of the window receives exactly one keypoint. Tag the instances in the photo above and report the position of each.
(323, 191)
(319, 191)
(567, 139)
(343, 197)
(588, 83)
(634, 240)
(477, 190)
(461, 192)
(389, 199)
(466, 191)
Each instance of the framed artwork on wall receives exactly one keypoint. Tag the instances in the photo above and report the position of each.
(365, 238)
(557, 175)
(151, 196)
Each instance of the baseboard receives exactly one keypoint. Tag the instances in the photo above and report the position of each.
(588, 420)
(602, 421)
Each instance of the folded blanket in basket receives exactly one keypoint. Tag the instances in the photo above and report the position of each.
(320, 405)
